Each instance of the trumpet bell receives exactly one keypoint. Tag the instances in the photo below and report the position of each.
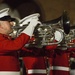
(65, 22)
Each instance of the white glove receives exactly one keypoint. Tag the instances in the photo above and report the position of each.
(27, 19)
(30, 28)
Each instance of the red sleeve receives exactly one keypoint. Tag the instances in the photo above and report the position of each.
(32, 51)
(51, 47)
(19, 42)
(72, 54)
(71, 49)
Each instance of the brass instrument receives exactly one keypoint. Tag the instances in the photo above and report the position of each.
(47, 32)
(71, 37)
(68, 40)
(62, 22)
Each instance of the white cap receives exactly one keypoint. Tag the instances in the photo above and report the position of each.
(4, 12)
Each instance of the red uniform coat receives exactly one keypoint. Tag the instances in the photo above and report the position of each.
(61, 64)
(35, 59)
(61, 60)
(9, 64)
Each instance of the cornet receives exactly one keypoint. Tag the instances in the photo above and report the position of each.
(47, 32)
(68, 40)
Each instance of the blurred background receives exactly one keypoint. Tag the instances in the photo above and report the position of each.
(49, 9)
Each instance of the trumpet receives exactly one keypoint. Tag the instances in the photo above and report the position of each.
(68, 40)
(47, 32)
(71, 37)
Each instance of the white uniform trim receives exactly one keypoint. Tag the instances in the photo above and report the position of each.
(32, 71)
(60, 68)
(9, 73)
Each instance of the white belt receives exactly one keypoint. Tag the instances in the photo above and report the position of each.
(9, 73)
(60, 68)
(32, 71)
